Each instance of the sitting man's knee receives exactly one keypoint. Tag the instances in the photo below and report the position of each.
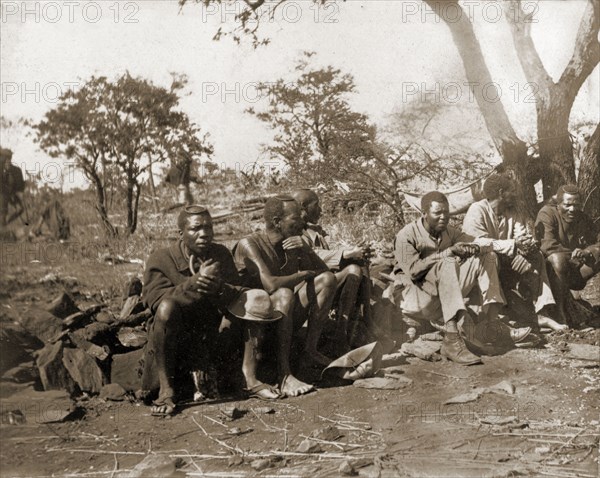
(354, 270)
(167, 310)
(559, 262)
(326, 280)
(282, 296)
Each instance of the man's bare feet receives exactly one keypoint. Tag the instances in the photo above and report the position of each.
(292, 387)
(164, 408)
(545, 321)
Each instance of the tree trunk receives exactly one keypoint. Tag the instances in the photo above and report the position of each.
(136, 203)
(110, 230)
(589, 175)
(130, 203)
(512, 150)
(153, 189)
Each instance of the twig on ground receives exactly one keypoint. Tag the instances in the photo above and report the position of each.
(478, 446)
(339, 445)
(570, 441)
(349, 427)
(116, 466)
(215, 421)
(216, 440)
(445, 375)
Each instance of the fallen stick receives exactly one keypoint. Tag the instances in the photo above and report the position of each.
(116, 466)
(339, 445)
(216, 440)
(349, 427)
(447, 376)
(215, 421)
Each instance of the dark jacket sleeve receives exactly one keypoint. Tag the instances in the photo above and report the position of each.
(159, 282)
(232, 282)
(546, 231)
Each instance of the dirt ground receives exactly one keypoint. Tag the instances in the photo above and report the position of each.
(543, 422)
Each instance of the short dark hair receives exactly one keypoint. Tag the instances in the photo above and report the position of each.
(274, 208)
(569, 189)
(432, 196)
(493, 185)
(188, 211)
(304, 196)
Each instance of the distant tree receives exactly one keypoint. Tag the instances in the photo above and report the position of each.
(120, 128)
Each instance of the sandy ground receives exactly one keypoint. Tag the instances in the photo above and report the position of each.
(548, 426)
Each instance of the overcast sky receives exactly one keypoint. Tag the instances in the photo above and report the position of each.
(395, 49)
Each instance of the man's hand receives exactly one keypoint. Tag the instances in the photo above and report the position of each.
(307, 275)
(208, 285)
(464, 250)
(210, 268)
(294, 242)
(520, 265)
(583, 255)
(354, 253)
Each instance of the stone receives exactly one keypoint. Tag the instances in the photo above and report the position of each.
(347, 469)
(132, 337)
(16, 345)
(395, 382)
(105, 317)
(96, 351)
(40, 407)
(132, 305)
(114, 392)
(136, 319)
(82, 318)
(155, 466)
(327, 433)
(96, 331)
(235, 460)
(23, 373)
(584, 352)
(63, 306)
(83, 369)
(261, 464)
(53, 373)
(423, 349)
(41, 323)
(133, 287)
(124, 370)
(308, 446)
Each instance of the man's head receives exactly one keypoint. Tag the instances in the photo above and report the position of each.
(436, 212)
(569, 202)
(5, 156)
(282, 214)
(195, 228)
(500, 188)
(309, 203)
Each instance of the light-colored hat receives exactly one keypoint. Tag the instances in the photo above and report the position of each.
(255, 305)
(358, 363)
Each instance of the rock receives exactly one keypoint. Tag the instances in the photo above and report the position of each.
(124, 370)
(423, 349)
(328, 433)
(113, 391)
(261, 464)
(233, 412)
(40, 407)
(63, 306)
(136, 319)
(501, 387)
(53, 373)
(82, 318)
(99, 353)
(16, 345)
(132, 305)
(96, 331)
(384, 383)
(584, 352)
(263, 410)
(12, 417)
(23, 373)
(83, 369)
(235, 460)
(504, 386)
(155, 466)
(347, 469)
(465, 397)
(308, 446)
(41, 323)
(132, 338)
(133, 287)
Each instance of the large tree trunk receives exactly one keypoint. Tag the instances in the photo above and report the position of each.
(512, 150)
(153, 189)
(589, 175)
(133, 199)
(110, 230)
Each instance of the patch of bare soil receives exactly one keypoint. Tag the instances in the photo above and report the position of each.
(530, 412)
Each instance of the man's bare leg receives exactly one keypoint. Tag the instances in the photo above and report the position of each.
(253, 337)
(349, 281)
(283, 301)
(317, 296)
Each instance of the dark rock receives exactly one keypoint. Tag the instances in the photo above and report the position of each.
(327, 433)
(63, 306)
(96, 331)
(235, 460)
(23, 373)
(308, 446)
(99, 353)
(41, 323)
(347, 469)
(136, 319)
(133, 287)
(83, 369)
(155, 466)
(53, 374)
(132, 338)
(16, 345)
(124, 370)
(105, 317)
(113, 391)
(41, 407)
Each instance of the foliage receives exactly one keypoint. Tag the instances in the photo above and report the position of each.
(115, 131)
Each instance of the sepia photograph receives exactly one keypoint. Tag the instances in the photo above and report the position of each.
(300, 238)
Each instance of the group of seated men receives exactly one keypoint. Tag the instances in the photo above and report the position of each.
(287, 274)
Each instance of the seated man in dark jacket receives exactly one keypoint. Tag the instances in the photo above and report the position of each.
(570, 242)
(188, 287)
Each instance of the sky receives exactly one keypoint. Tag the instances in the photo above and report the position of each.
(397, 51)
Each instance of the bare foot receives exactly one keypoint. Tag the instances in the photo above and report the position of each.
(163, 409)
(292, 387)
(544, 321)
